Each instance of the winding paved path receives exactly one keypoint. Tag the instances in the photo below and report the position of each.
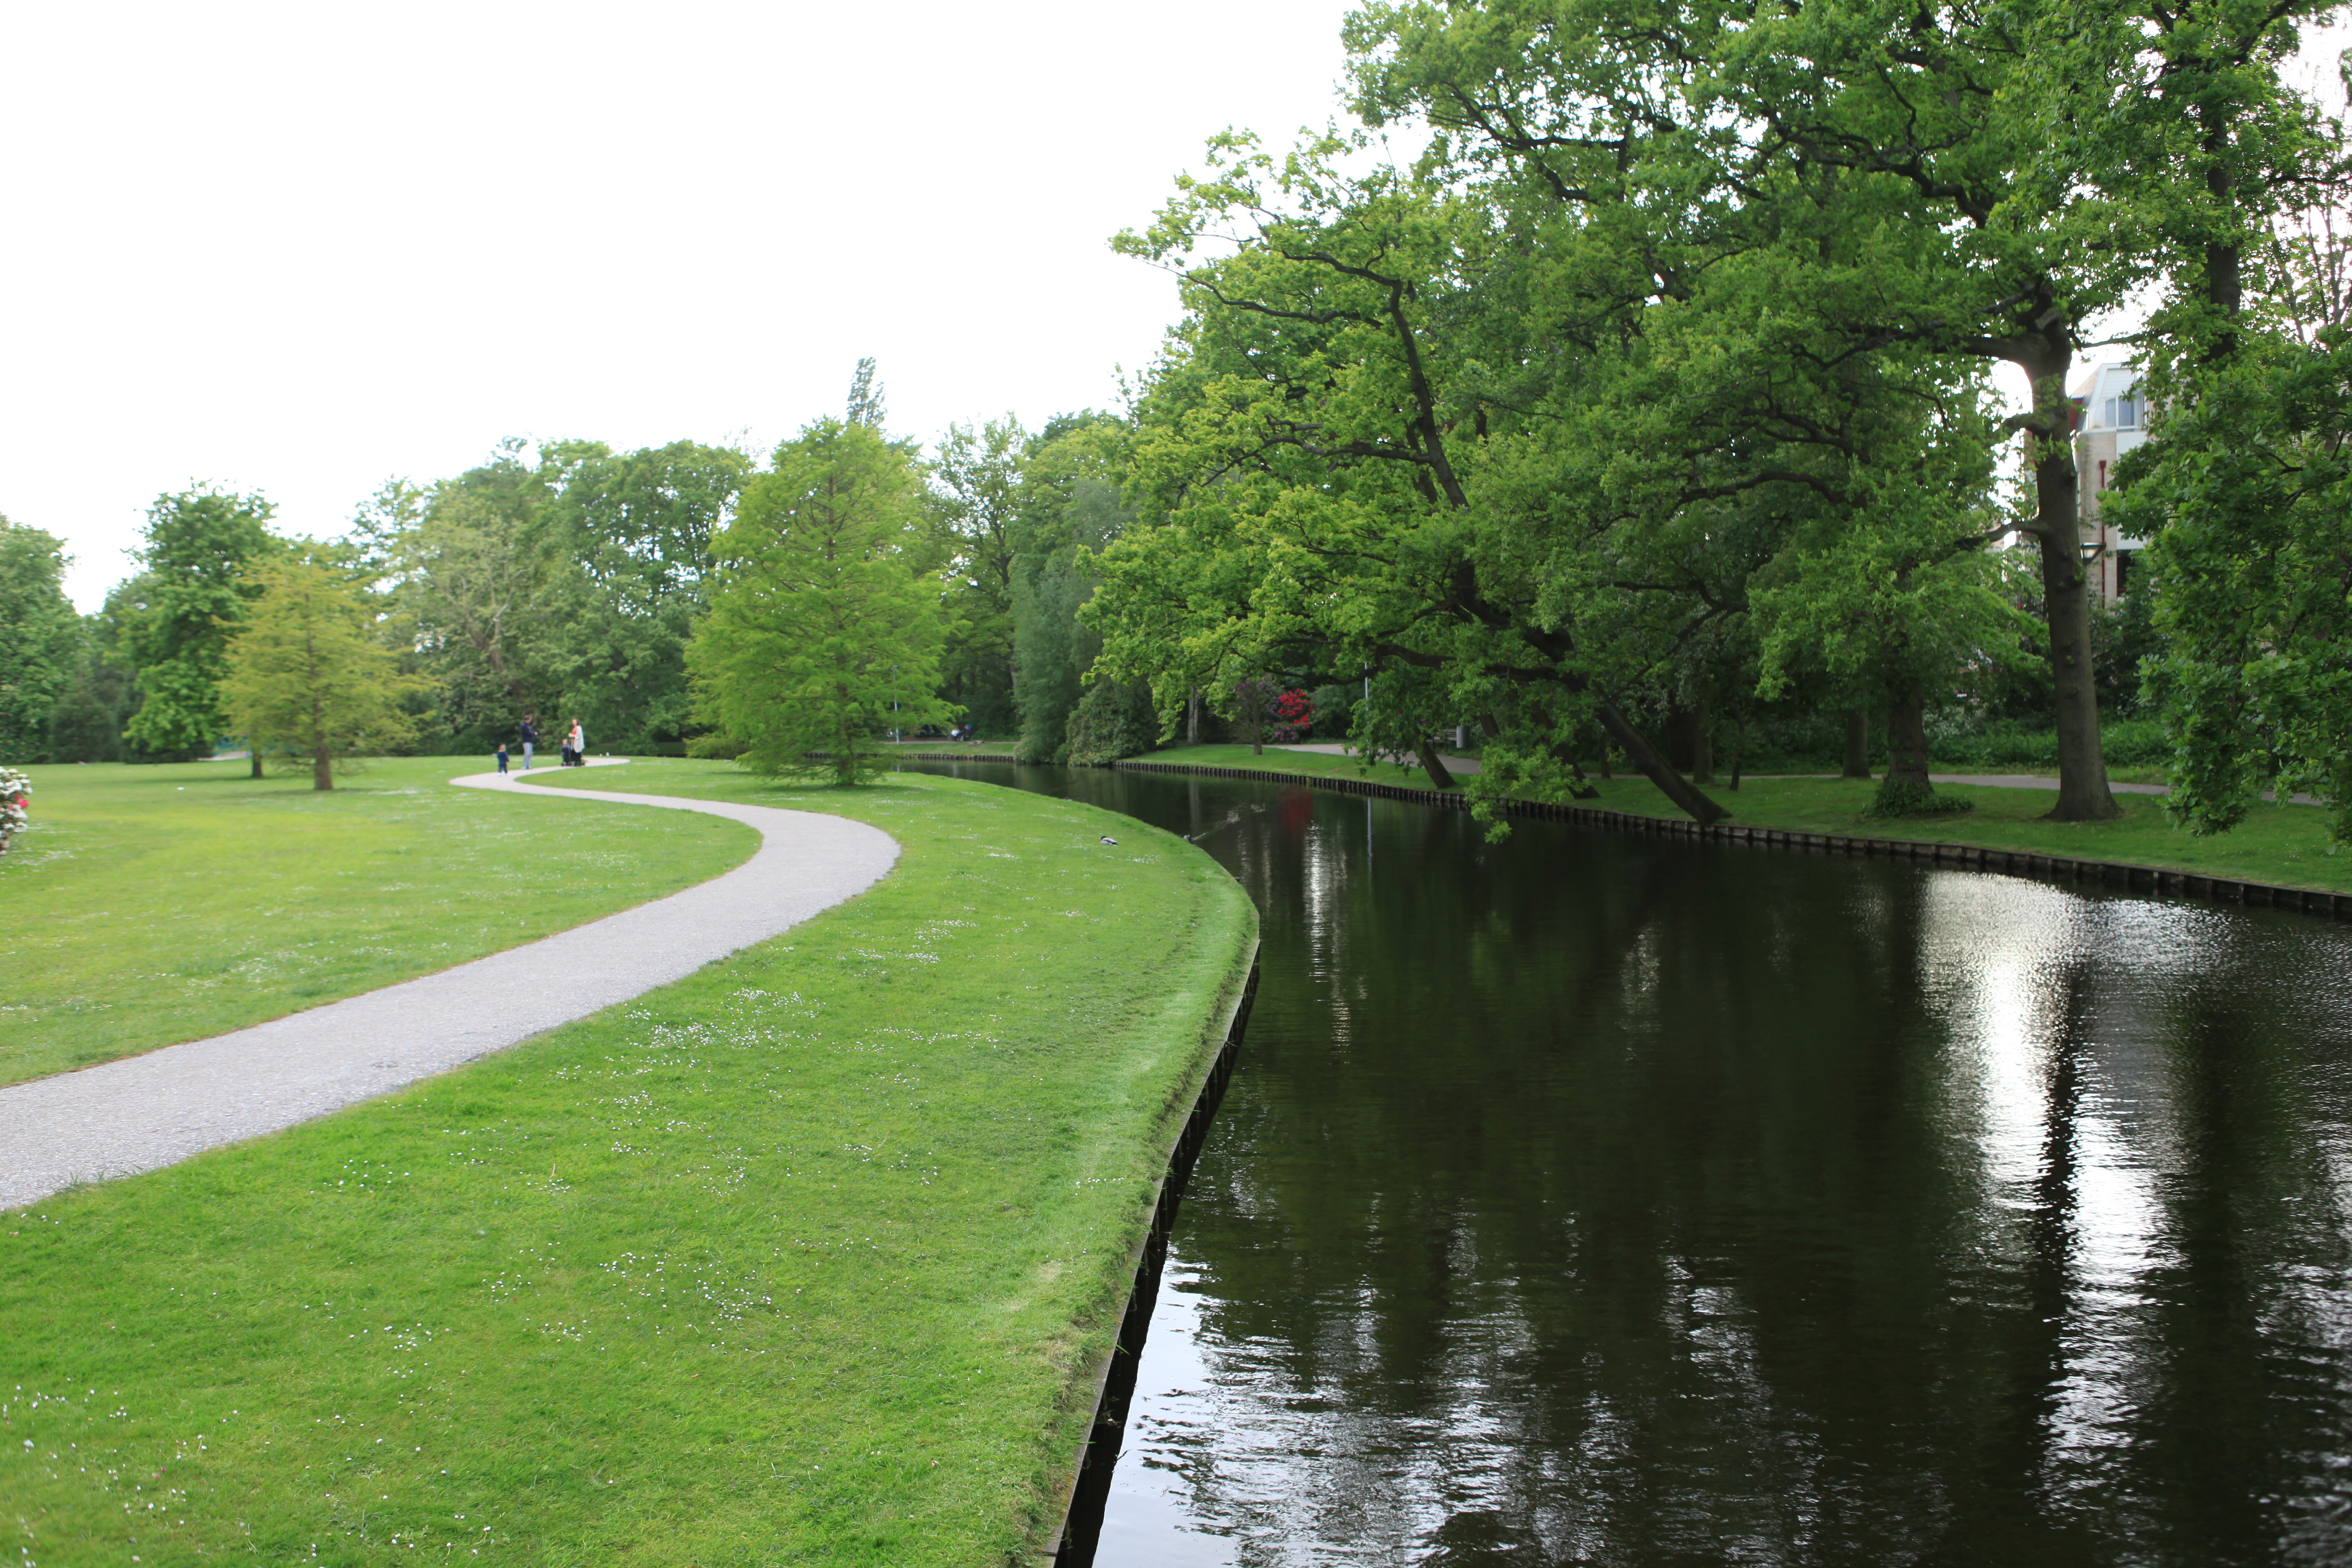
(124, 1117)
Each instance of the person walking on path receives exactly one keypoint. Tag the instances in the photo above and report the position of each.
(529, 741)
(579, 745)
(502, 756)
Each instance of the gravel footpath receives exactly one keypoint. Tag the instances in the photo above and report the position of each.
(140, 1112)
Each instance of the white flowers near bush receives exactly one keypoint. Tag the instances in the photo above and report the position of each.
(16, 804)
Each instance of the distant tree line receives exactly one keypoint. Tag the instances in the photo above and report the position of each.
(635, 590)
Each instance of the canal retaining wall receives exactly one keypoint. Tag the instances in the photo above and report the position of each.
(1073, 1543)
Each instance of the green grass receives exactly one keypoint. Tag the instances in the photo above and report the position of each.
(961, 748)
(804, 1259)
(2284, 845)
(150, 905)
(1274, 760)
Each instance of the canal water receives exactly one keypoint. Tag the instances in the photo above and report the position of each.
(1598, 1200)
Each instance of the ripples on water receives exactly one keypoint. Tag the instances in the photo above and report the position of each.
(1587, 1199)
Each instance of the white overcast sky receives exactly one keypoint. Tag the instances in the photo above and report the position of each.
(301, 248)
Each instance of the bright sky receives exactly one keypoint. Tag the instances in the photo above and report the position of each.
(301, 248)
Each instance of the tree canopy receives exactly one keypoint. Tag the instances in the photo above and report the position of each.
(40, 639)
(200, 547)
(306, 670)
(823, 632)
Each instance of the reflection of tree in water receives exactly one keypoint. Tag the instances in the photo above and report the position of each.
(1588, 1199)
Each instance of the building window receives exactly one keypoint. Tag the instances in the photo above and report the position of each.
(2124, 413)
(2123, 559)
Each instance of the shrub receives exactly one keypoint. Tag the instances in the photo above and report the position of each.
(1292, 714)
(1113, 720)
(16, 804)
(1901, 798)
(1334, 711)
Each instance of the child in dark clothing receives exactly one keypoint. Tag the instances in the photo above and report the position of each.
(502, 756)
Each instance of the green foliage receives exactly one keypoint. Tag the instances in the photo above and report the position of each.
(821, 634)
(308, 673)
(1334, 710)
(1898, 797)
(1903, 601)
(865, 407)
(977, 477)
(201, 546)
(40, 639)
(478, 585)
(1115, 718)
(1801, 193)
(87, 724)
(630, 538)
(2246, 494)
(1069, 509)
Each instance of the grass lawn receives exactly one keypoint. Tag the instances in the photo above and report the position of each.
(150, 905)
(2286, 845)
(804, 1259)
(960, 748)
(1274, 760)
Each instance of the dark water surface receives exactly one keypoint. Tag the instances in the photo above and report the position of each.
(1588, 1199)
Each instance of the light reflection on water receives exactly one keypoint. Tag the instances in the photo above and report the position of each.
(1588, 1199)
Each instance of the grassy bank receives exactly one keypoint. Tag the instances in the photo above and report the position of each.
(150, 905)
(994, 750)
(801, 1260)
(1275, 759)
(2286, 845)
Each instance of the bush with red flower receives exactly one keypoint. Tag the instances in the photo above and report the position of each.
(16, 804)
(1292, 715)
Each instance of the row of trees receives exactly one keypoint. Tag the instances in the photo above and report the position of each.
(675, 595)
(1659, 384)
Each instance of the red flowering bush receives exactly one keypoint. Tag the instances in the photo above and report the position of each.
(1292, 715)
(16, 804)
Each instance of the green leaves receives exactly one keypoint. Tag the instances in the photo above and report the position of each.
(2246, 495)
(40, 639)
(201, 544)
(822, 633)
(307, 670)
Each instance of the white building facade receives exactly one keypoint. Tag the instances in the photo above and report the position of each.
(2111, 419)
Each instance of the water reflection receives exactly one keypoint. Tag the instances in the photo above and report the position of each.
(1585, 1199)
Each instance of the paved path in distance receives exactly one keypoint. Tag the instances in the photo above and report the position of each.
(141, 1112)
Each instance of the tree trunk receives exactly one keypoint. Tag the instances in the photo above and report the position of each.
(1857, 743)
(253, 751)
(1653, 767)
(1433, 764)
(1192, 718)
(1906, 740)
(1702, 746)
(322, 761)
(2082, 793)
